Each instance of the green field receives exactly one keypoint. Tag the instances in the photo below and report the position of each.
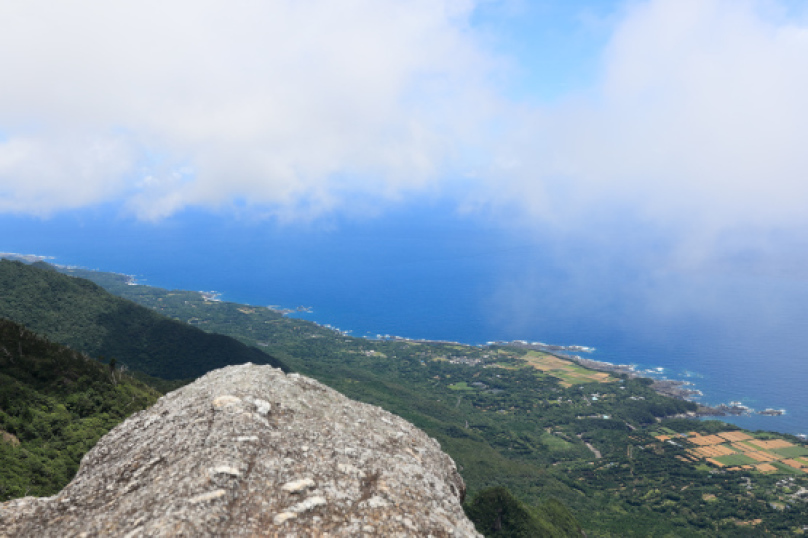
(460, 386)
(555, 443)
(791, 452)
(663, 431)
(736, 459)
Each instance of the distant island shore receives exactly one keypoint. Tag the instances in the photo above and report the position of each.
(667, 387)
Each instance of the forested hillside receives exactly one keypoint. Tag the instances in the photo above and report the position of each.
(55, 403)
(82, 315)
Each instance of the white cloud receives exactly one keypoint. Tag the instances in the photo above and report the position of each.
(42, 174)
(300, 108)
(698, 119)
(284, 103)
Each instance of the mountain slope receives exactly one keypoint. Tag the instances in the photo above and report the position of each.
(55, 403)
(82, 315)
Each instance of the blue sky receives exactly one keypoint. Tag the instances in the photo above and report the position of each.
(555, 46)
(681, 120)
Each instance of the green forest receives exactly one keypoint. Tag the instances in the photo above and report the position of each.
(55, 403)
(78, 313)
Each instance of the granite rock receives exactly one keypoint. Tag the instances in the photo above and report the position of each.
(250, 451)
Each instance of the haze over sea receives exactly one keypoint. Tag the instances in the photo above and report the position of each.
(424, 272)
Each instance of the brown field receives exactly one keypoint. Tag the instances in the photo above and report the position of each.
(776, 443)
(735, 436)
(742, 448)
(706, 440)
(709, 447)
(723, 450)
(713, 451)
(761, 456)
(567, 371)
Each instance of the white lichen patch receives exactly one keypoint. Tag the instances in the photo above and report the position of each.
(283, 517)
(262, 407)
(225, 469)
(209, 496)
(298, 485)
(226, 401)
(308, 504)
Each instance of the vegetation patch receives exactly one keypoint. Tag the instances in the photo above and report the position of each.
(80, 314)
(792, 451)
(555, 443)
(55, 403)
(735, 459)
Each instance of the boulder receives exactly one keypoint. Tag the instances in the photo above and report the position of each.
(251, 451)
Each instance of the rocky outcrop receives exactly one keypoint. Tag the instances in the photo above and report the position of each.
(250, 451)
(9, 438)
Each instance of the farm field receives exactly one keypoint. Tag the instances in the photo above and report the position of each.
(735, 451)
(566, 371)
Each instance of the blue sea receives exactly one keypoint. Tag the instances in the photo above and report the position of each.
(427, 272)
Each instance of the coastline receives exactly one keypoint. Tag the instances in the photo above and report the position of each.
(27, 258)
(672, 388)
(678, 389)
(668, 387)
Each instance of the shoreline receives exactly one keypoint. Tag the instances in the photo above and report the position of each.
(666, 387)
(27, 258)
(675, 388)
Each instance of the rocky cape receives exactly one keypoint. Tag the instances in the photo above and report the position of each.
(250, 451)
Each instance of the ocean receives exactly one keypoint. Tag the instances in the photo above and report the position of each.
(426, 272)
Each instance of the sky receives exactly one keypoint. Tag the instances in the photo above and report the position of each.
(672, 126)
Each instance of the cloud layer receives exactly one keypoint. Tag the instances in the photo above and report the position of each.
(283, 104)
(699, 116)
(301, 108)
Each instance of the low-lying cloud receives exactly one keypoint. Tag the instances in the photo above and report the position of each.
(696, 120)
(698, 116)
(290, 105)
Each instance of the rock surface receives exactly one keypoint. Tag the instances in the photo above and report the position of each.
(250, 451)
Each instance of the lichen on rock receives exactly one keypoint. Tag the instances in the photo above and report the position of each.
(248, 450)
